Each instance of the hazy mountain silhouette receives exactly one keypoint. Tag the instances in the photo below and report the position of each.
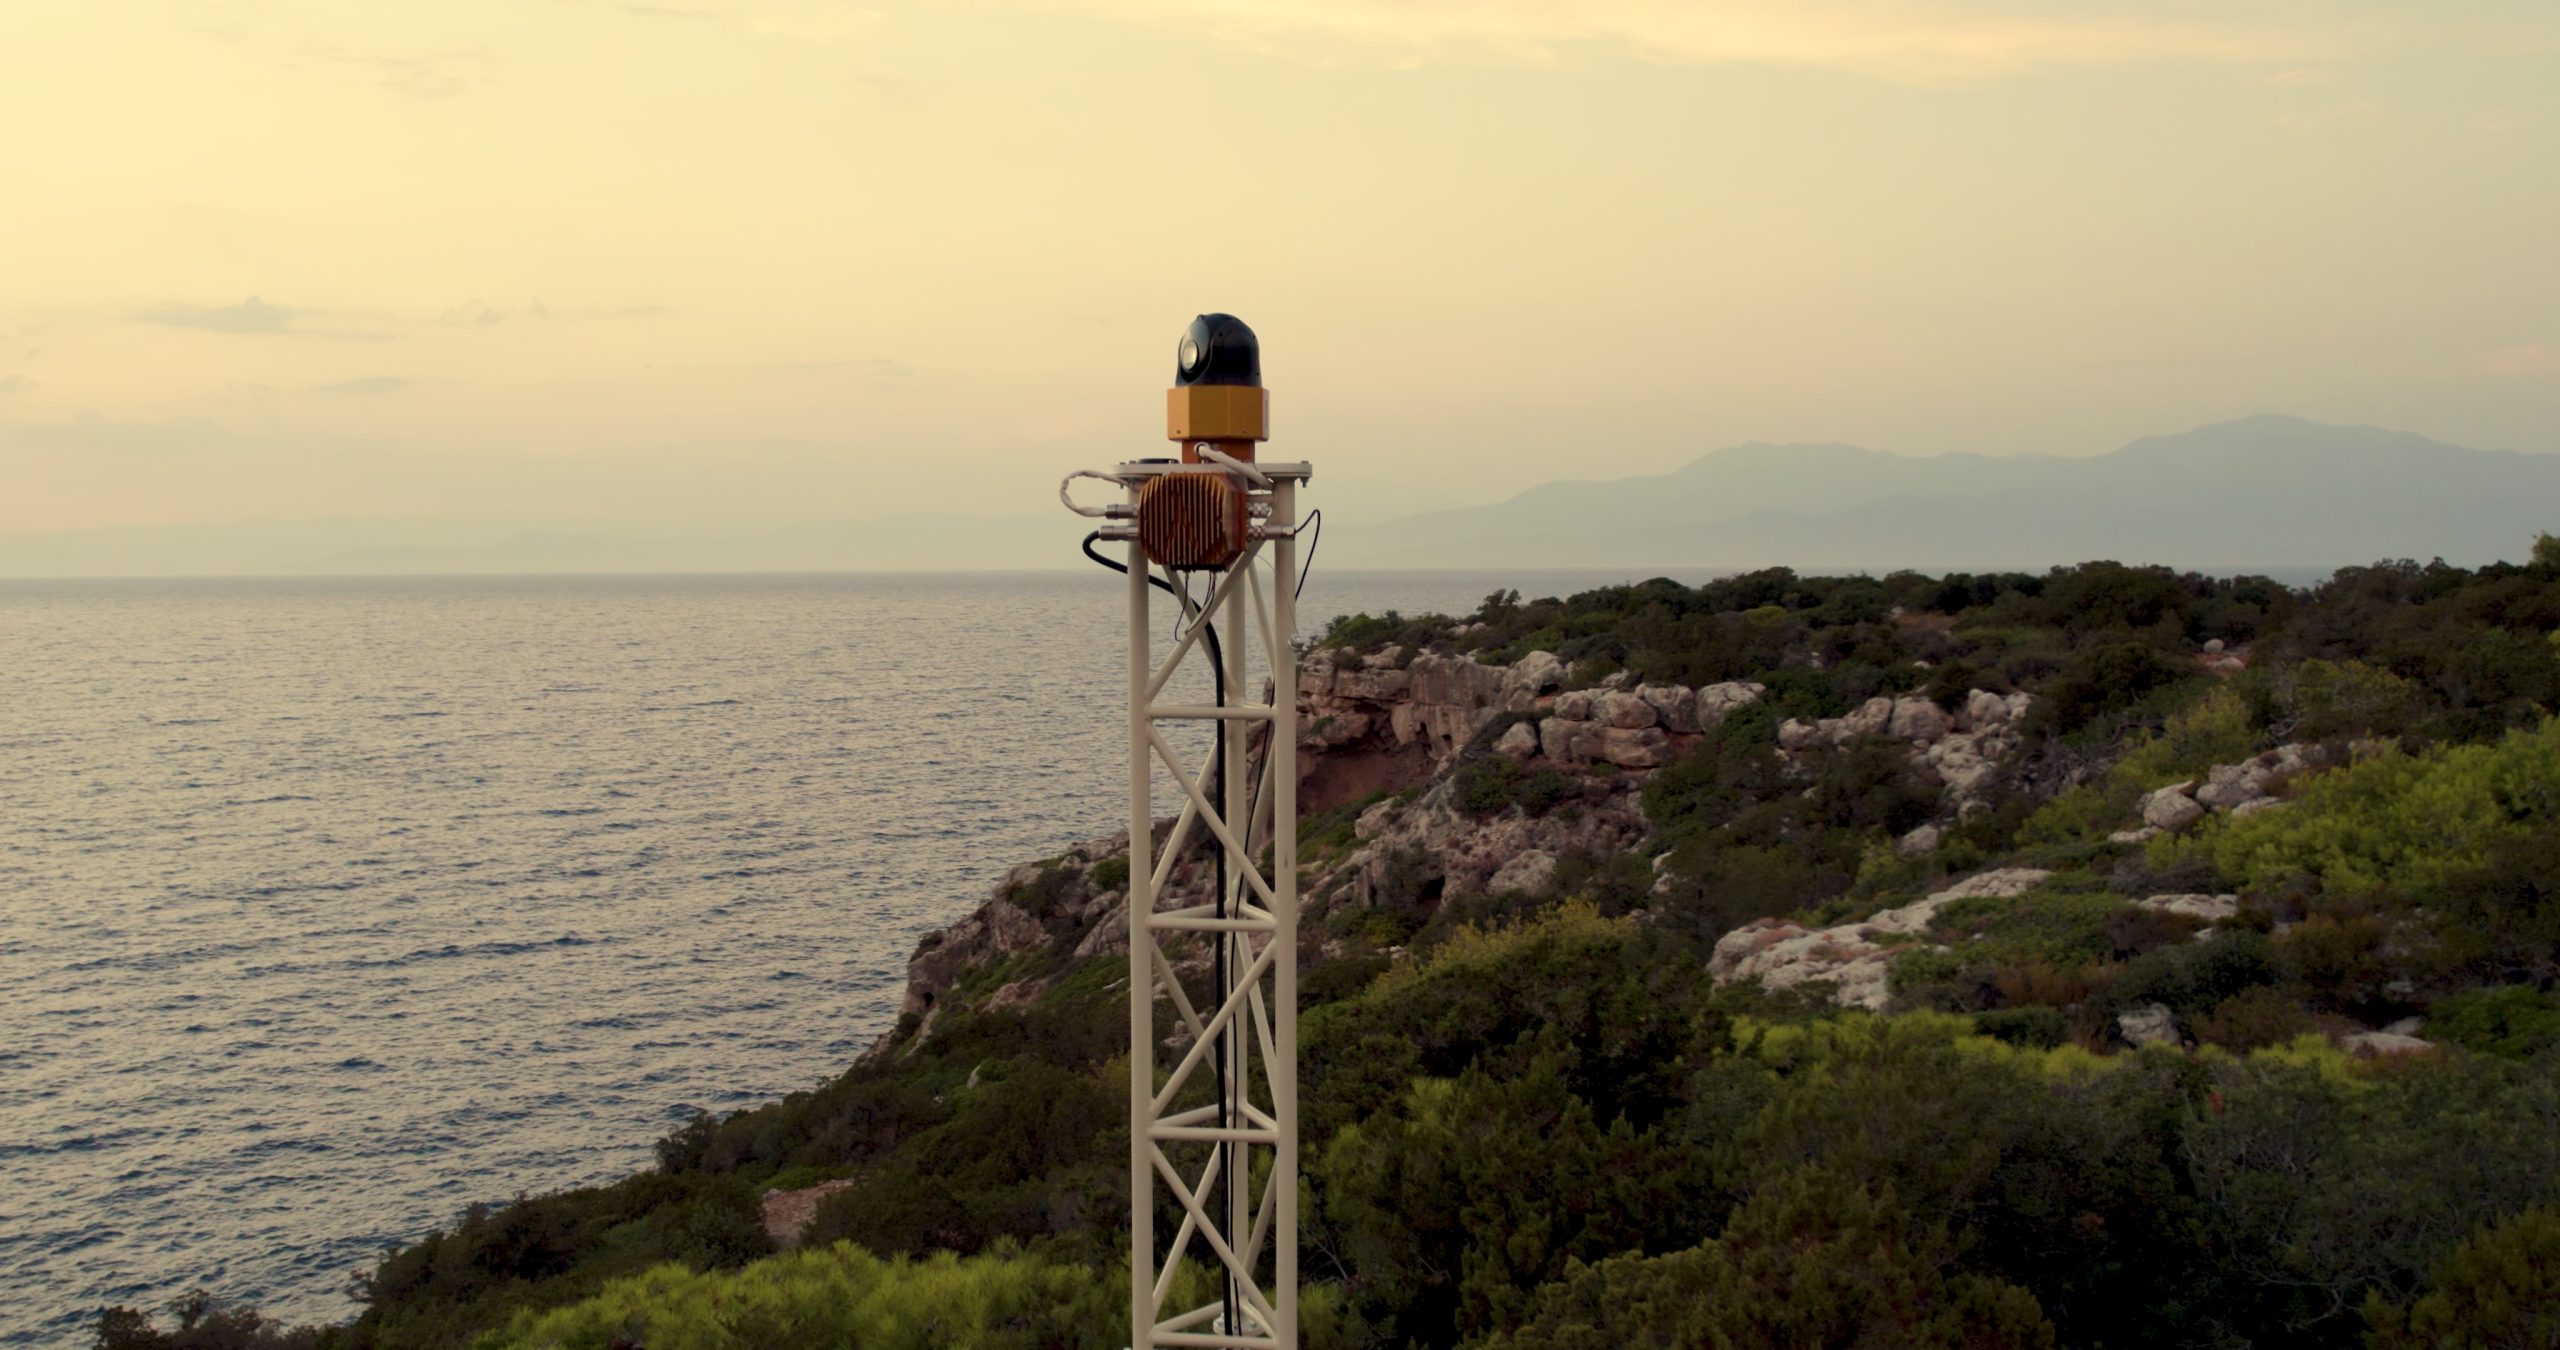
(2257, 492)
(2262, 492)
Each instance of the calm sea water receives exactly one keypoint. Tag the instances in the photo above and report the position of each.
(330, 906)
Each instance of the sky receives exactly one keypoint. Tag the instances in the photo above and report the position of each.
(719, 262)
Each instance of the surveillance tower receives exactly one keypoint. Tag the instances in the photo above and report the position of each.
(1213, 1103)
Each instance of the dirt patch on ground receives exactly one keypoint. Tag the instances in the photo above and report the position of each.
(788, 1214)
(1334, 777)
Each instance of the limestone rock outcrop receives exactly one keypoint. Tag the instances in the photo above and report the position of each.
(1430, 842)
(1961, 749)
(2171, 808)
(1634, 728)
(2241, 789)
(1853, 958)
(2150, 1024)
(2210, 909)
(2376, 1044)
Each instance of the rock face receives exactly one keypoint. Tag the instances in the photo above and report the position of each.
(1633, 728)
(2151, 1024)
(1429, 842)
(1041, 904)
(788, 1214)
(1529, 872)
(2375, 1044)
(2171, 809)
(1579, 744)
(1382, 722)
(1675, 705)
(1851, 957)
(998, 929)
(2242, 789)
(1961, 749)
(1623, 711)
(2211, 909)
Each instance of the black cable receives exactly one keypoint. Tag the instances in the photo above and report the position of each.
(1315, 522)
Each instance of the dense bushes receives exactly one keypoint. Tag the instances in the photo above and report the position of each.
(842, 1295)
(1488, 784)
(542, 1249)
(202, 1323)
(2419, 825)
(2101, 681)
(2449, 859)
(2395, 647)
(1811, 1261)
(2500, 1288)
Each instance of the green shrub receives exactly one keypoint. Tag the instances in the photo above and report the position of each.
(1815, 1259)
(2500, 1288)
(205, 1324)
(842, 1295)
(1473, 1191)
(2318, 700)
(2193, 977)
(2517, 1022)
(1110, 874)
(2100, 682)
(2031, 1028)
(2214, 729)
(2254, 1019)
(2421, 825)
(1488, 784)
(2042, 947)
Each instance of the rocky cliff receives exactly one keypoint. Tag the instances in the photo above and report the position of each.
(1380, 736)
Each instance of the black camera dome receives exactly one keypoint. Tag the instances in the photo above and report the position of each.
(1218, 349)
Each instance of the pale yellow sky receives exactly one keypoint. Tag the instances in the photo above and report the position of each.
(719, 261)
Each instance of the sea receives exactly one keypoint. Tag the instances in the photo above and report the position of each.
(329, 907)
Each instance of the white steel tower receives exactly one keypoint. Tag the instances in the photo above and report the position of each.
(1213, 1101)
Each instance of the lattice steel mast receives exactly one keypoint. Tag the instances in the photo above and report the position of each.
(1216, 1129)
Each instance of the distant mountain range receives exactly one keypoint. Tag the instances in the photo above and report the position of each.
(2274, 493)
(2260, 492)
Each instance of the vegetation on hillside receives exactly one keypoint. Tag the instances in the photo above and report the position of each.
(1533, 1120)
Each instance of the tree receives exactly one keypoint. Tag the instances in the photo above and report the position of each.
(2500, 1290)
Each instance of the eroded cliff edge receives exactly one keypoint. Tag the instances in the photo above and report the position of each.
(1426, 777)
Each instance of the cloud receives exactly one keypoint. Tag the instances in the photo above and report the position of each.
(826, 23)
(252, 315)
(431, 76)
(90, 433)
(473, 315)
(878, 368)
(15, 384)
(369, 384)
(2523, 361)
(1893, 39)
